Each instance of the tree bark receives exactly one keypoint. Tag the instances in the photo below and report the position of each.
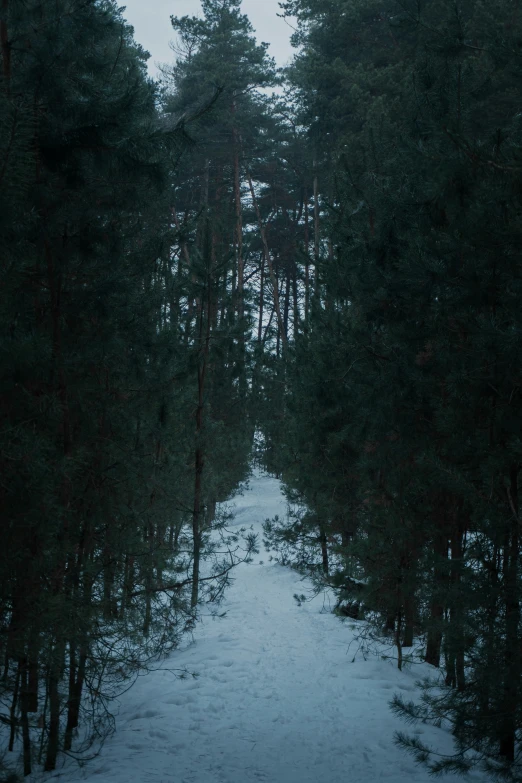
(239, 226)
(261, 300)
(512, 663)
(204, 339)
(5, 44)
(273, 278)
(24, 720)
(14, 702)
(53, 741)
(455, 675)
(307, 265)
(434, 636)
(316, 236)
(286, 311)
(409, 619)
(75, 698)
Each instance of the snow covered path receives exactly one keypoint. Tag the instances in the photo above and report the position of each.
(277, 698)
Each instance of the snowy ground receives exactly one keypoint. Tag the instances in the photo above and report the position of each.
(277, 699)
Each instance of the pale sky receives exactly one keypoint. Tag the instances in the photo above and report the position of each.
(152, 28)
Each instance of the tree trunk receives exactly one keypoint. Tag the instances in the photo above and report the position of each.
(398, 643)
(511, 678)
(24, 720)
(5, 44)
(455, 637)
(204, 339)
(409, 619)
(53, 740)
(261, 300)
(296, 300)
(239, 226)
(14, 702)
(316, 236)
(75, 698)
(434, 637)
(196, 532)
(286, 311)
(273, 278)
(307, 265)
(148, 567)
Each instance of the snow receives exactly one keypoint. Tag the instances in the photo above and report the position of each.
(277, 698)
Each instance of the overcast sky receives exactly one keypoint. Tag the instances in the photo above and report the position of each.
(152, 28)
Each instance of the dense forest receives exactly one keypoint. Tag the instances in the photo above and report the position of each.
(199, 272)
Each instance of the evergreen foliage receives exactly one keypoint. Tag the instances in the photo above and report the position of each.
(191, 269)
(101, 384)
(402, 415)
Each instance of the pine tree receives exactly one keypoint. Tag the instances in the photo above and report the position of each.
(96, 375)
(219, 54)
(418, 332)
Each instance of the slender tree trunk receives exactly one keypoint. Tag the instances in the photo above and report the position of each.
(54, 723)
(78, 647)
(409, 619)
(512, 663)
(75, 698)
(14, 702)
(269, 324)
(128, 582)
(32, 671)
(72, 683)
(490, 642)
(5, 44)
(204, 339)
(434, 636)
(24, 720)
(43, 732)
(53, 741)
(149, 577)
(186, 256)
(316, 234)
(296, 299)
(261, 300)
(455, 638)
(286, 311)
(210, 513)
(239, 226)
(108, 584)
(273, 278)
(398, 643)
(307, 265)
(196, 532)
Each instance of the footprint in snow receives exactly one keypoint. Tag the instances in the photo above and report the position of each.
(217, 678)
(146, 714)
(158, 734)
(136, 746)
(181, 701)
